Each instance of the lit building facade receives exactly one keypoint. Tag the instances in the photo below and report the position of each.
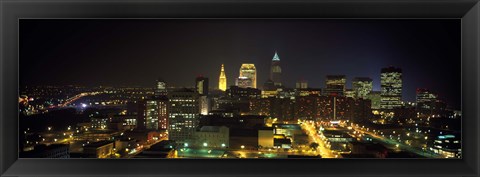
(243, 82)
(276, 71)
(156, 113)
(301, 84)
(425, 98)
(249, 71)
(375, 98)
(183, 115)
(212, 136)
(201, 85)
(362, 86)
(222, 80)
(391, 88)
(349, 93)
(151, 114)
(335, 85)
(161, 88)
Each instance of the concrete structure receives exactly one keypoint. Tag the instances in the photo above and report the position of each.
(100, 149)
(212, 136)
(265, 137)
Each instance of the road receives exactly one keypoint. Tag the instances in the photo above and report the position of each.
(322, 149)
(75, 98)
(400, 146)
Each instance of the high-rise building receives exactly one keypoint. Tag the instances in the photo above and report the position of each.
(362, 86)
(161, 88)
(162, 103)
(276, 71)
(425, 101)
(222, 80)
(155, 113)
(249, 71)
(151, 114)
(201, 85)
(183, 115)
(335, 85)
(391, 88)
(302, 84)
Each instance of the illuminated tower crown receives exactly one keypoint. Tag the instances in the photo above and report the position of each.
(276, 70)
(222, 81)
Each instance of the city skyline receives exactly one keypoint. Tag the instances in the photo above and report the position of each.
(375, 43)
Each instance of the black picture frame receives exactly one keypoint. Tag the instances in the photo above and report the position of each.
(13, 10)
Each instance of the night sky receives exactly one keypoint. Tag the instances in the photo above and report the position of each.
(136, 52)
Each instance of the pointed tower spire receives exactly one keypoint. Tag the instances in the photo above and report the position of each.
(275, 57)
(222, 80)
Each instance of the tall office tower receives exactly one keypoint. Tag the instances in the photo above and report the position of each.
(302, 84)
(243, 82)
(183, 115)
(162, 103)
(362, 86)
(391, 88)
(222, 80)
(335, 84)
(425, 100)
(276, 70)
(201, 85)
(153, 113)
(249, 71)
(161, 88)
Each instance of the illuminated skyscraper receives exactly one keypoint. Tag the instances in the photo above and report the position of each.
(391, 88)
(154, 113)
(362, 86)
(201, 86)
(335, 85)
(249, 71)
(276, 71)
(183, 115)
(222, 81)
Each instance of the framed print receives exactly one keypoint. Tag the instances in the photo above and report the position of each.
(239, 88)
